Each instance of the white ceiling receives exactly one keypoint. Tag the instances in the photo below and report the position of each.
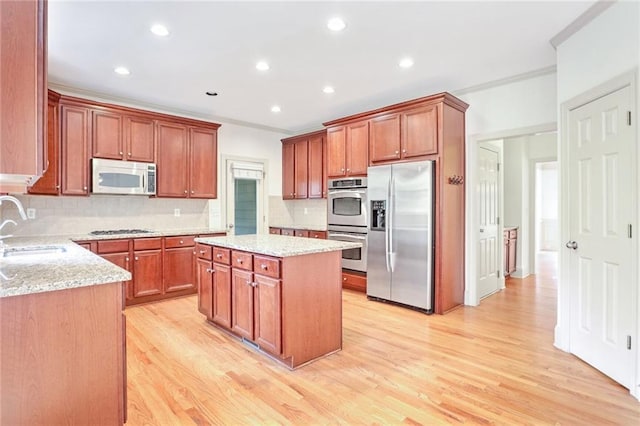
(215, 45)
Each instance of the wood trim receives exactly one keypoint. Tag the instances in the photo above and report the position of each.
(444, 97)
(137, 112)
(309, 135)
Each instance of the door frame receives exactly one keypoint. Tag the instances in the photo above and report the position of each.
(532, 206)
(471, 200)
(499, 150)
(225, 161)
(562, 330)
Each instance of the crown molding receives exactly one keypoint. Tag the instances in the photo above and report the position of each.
(512, 79)
(581, 21)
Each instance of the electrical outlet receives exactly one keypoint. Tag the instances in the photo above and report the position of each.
(306, 211)
(31, 213)
(176, 212)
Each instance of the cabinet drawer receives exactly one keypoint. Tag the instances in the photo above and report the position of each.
(285, 231)
(322, 235)
(301, 233)
(203, 251)
(242, 260)
(269, 266)
(274, 231)
(221, 255)
(513, 233)
(113, 246)
(147, 243)
(173, 242)
(354, 282)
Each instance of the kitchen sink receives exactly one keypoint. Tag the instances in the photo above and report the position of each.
(30, 251)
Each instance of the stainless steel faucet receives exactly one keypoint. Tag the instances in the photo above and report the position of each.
(9, 221)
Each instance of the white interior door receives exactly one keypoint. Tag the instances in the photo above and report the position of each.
(488, 242)
(602, 200)
(244, 197)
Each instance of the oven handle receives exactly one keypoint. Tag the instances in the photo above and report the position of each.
(354, 237)
(351, 191)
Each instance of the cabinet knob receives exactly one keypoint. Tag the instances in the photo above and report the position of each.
(121, 153)
(342, 170)
(249, 283)
(57, 186)
(397, 152)
(193, 192)
(126, 258)
(348, 170)
(218, 256)
(186, 192)
(344, 278)
(202, 251)
(181, 242)
(264, 267)
(404, 151)
(84, 188)
(240, 261)
(194, 252)
(136, 258)
(129, 154)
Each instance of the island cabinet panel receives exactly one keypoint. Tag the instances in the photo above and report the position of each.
(205, 287)
(267, 314)
(173, 150)
(222, 295)
(242, 303)
(139, 139)
(63, 357)
(75, 148)
(107, 137)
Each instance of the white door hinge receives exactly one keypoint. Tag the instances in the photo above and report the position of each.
(498, 166)
(629, 342)
(629, 231)
(628, 118)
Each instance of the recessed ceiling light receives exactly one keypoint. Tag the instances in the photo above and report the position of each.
(275, 108)
(209, 93)
(262, 66)
(160, 30)
(406, 63)
(328, 89)
(336, 24)
(122, 70)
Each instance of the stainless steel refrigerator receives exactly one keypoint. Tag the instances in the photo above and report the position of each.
(400, 246)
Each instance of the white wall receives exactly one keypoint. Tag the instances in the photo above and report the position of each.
(603, 50)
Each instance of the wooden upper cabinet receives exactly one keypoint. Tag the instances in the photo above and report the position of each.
(288, 170)
(173, 151)
(74, 140)
(357, 147)
(420, 132)
(301, 169)
(106, 135)
(49, 183)
(23, 91)
(203, 163)
(384, 141)
(139, 139)
(316, 167)
(336, 151)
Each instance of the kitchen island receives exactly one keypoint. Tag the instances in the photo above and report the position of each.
(282, 295)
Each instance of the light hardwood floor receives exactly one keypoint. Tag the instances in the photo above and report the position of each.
(490, 364)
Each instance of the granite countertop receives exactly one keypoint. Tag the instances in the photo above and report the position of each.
(38, 273)
(154, 233)
(301, 228)
(278, 245)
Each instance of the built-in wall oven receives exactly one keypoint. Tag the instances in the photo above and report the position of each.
(347, 202)
(356, 258)
(347, 218)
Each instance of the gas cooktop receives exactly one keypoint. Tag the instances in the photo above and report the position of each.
(120, 231)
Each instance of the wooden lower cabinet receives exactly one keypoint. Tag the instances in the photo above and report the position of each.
(290, 307)
(205, 286)
(179, 269)
(510, 250)
(122, 260)
(63, 357)
(354, 281)
(147, 273)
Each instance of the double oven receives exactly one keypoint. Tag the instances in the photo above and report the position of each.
(347, 218)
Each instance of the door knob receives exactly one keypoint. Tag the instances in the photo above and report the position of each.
(572, 245)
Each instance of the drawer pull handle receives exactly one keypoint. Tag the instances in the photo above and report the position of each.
(240, 261)
(218, 256)
(264, 267)
(203, 251)
(181, 242)
(344, 278)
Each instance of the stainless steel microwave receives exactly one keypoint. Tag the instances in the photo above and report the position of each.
(123, 177)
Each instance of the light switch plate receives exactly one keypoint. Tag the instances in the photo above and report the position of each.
(176, 212)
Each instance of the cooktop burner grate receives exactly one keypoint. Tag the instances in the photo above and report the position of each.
(120, 231)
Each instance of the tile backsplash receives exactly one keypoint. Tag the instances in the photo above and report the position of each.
(310, 213)
(79, 215)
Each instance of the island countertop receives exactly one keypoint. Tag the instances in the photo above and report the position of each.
(278, 245)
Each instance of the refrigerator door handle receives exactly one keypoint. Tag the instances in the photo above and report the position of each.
(391, 218)
(386, 231)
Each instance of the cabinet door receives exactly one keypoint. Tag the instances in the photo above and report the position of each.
(301, 233)
(122, 260)
(357, 148)
(288, 171)
(222, 295)
(205, 287)
(147, 273)
(74, 123)
(178, 269)
(420, 134)
(242, 303)
(315, 173)
(513, 246)
(384, 141)
(49, 183)
(268, 314)
(106, 135)
(139, 139)
(336, 151)
(172, 173)
(203, 170)
(301, 169)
